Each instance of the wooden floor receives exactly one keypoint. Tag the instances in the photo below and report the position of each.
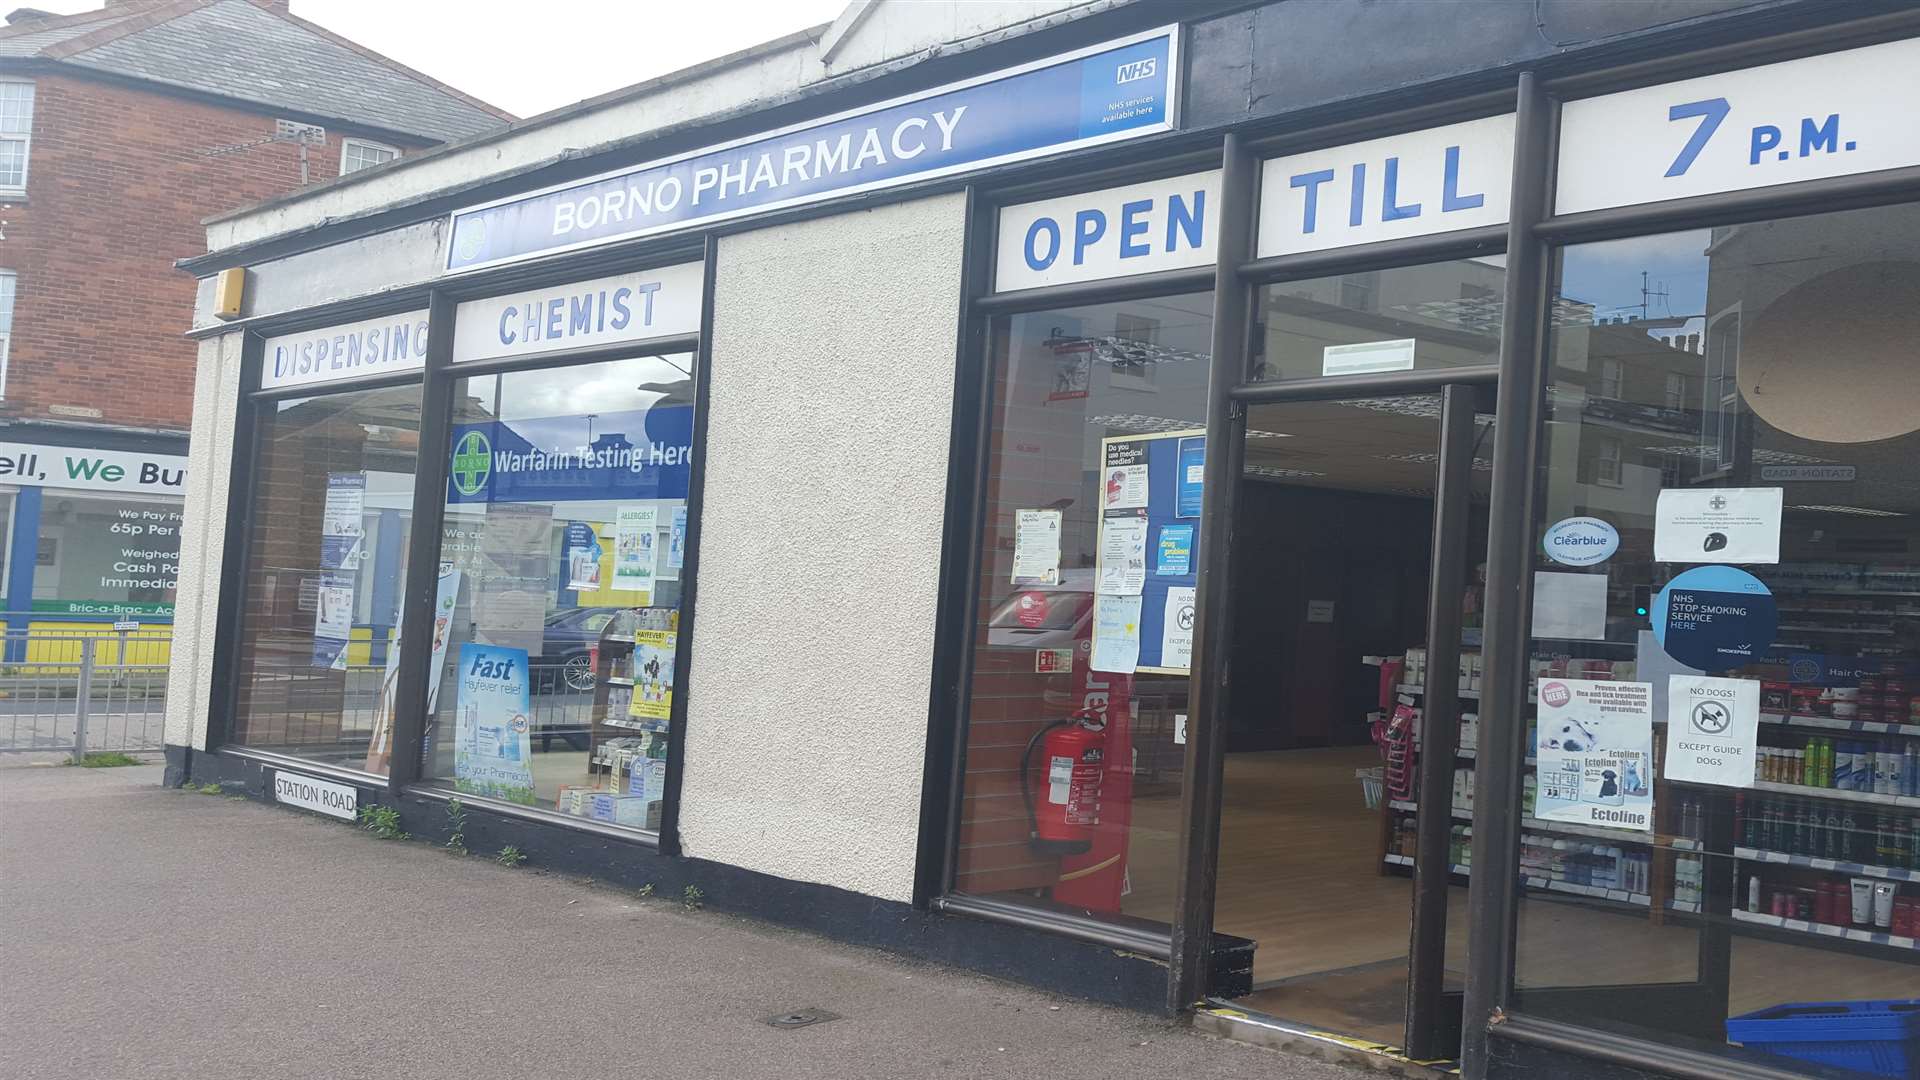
(1299, 875)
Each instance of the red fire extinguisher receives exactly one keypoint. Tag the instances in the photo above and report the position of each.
(1075, 753)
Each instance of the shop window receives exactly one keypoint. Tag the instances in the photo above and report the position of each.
(318, 658)
(108, 555)
(1724, 816)
(1081, 462)
(561, 563)
(1435, 315)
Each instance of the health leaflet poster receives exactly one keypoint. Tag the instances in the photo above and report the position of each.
(493, 743)
(1123, 555)
(1595, 751)
(582, 556)
(1717, 525)
(653, 674)
(633, 547)
(1116, 633)
(1036, 546)
(676, 545)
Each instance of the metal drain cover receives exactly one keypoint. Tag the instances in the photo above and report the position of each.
(800, 1018)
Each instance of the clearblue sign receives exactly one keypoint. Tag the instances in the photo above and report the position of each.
(633, 455)
(1118, 90)
(1581, 541)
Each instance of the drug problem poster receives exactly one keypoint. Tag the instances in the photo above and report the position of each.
(1595, 751)
(493, 742)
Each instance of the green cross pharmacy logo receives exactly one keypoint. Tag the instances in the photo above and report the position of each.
(472, 463)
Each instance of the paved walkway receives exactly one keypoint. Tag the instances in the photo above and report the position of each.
(148, 933)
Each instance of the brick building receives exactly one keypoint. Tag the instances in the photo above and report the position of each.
(118, 129)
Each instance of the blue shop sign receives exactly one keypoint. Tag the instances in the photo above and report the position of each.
(1118, 90)
(638, 454)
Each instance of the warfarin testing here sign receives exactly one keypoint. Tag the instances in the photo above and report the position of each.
(1119, 90)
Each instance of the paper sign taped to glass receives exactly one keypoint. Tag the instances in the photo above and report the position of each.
(1595, 752)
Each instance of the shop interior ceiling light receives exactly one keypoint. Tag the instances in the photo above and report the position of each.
(1419, 406)
(1428, 457)
(1275, 473)
(1760, 457)
(1856, 511)
(1143, 422)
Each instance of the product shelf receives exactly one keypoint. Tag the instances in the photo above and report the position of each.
(636, 725)
(1845, 933)
(616, 680)
(1828, 723)
(1841, 866)
(1590, 892)
(1912, 801)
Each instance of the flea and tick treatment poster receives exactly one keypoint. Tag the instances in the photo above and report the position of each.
(1595, 747)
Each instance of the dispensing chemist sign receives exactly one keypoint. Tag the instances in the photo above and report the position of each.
(1119, 90)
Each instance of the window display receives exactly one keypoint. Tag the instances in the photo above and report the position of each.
(557, 629)
(1738, 408)
(326, 562)
(1073, 755)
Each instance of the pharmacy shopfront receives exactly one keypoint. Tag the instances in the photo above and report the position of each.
(1024, 507)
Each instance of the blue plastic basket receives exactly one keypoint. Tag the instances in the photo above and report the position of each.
(1879, 1038)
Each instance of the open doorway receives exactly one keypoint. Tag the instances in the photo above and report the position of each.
(1333, 565)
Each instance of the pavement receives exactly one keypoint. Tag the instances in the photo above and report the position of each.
(155, 933)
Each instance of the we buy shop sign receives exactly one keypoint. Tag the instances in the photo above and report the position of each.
(92, 470)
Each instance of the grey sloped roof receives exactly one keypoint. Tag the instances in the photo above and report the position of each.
(28, 39)
(237, 49)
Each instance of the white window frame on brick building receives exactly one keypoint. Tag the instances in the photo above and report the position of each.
(16, 127)
(9, 286)
(357, 154)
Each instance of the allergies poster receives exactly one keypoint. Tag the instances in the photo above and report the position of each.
(634, 543)
(1595, 751)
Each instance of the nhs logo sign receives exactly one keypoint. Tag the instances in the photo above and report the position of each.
(1139, 69)
(1170, 224)
(1438, 180)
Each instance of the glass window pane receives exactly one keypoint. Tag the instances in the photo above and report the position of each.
(325, 568)
(1435, 315)
(560, 584)
(89, 560)
(1096, 412)
(16, 108)
(13, 162)
(1728, 367)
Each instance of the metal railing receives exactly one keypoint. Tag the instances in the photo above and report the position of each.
(79, 692)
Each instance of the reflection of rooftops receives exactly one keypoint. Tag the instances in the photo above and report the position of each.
(1125, 352)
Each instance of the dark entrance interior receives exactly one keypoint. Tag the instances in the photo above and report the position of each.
(1334, 555)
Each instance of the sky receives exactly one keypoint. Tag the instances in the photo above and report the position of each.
(529, 56)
